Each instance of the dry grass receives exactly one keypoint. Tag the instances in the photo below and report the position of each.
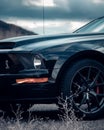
(40, 124)
(65, 122)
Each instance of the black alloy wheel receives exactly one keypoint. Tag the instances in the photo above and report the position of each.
(84, 85)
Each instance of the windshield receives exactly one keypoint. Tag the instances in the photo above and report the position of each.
(92, 27)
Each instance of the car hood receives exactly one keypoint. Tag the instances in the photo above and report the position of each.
(40, 42)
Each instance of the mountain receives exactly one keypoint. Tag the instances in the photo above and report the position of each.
(11, 30)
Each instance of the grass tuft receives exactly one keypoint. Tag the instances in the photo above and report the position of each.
(67, 121)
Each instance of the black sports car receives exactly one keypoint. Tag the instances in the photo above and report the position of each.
(38, 69)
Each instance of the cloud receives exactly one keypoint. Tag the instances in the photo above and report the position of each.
(17, 8)
(60, 15)
(51, 27)
(82, 9)
(57, 9)
(46, 3)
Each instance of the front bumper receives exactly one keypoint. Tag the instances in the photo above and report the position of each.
(27, 91)
(27, 73)
(32, 75)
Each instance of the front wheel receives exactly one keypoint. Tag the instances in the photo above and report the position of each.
(84, 83)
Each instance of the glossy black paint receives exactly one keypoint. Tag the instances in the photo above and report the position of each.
(57, 52)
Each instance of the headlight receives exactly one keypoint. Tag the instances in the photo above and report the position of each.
(38, 62)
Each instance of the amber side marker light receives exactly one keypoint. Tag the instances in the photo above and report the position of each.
(31, 80)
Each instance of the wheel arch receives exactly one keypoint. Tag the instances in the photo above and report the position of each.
(88, 54)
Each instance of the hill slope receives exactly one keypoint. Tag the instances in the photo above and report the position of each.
(10, 30)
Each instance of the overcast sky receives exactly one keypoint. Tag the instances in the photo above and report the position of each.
(60, 16)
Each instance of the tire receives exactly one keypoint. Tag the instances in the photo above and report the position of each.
(83, 83)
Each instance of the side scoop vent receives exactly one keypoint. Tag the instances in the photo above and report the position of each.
(7, 45)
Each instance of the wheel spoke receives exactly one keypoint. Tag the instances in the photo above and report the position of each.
(78, 91)
(83, 100)
(76, 94)
(93, 84)
(83, 78)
